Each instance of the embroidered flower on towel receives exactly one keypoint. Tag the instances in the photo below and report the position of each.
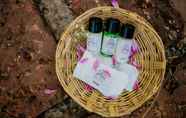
(106, 74)
(96, 64)
(102, 74)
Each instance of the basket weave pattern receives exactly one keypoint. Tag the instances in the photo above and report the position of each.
(151, 57)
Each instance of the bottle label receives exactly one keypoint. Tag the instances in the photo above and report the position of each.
(109, 45)
(94, 42)
(123, 50)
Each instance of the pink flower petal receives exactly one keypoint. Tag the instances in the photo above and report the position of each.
(111, 98)
(135, 45)
(134, 63)
(81, 48)
(78, 55)
(49, 91)
(133, 52)
(136, 85)
(115, 3)
(134, 49)
(131, 59)
(88, 88)
(84, 60)
(80, 51)
(96, 65)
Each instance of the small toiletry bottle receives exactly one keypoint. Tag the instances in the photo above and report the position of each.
(125, 42)
(110, 37)
(94, 36)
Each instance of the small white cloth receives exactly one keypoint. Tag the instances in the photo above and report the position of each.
(109, 81)
(132, 73)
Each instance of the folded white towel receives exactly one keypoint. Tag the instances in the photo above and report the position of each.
(109, 81)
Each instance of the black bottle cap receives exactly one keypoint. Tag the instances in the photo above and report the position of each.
(95, 25)
(112, 25)
(127, 31)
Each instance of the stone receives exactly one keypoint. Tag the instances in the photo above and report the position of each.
(57, 15)
(180, 73)
(180, 6)
(80, 6)
(179, 95)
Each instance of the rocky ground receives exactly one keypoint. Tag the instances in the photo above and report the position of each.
(29, 31)
(28, 83)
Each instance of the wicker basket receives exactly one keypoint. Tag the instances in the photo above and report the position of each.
(151, 57)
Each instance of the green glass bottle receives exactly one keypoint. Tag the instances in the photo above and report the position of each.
(110, 37)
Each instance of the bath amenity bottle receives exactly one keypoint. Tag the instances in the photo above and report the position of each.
(125, 42)
(94, 36)
(110, 37)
